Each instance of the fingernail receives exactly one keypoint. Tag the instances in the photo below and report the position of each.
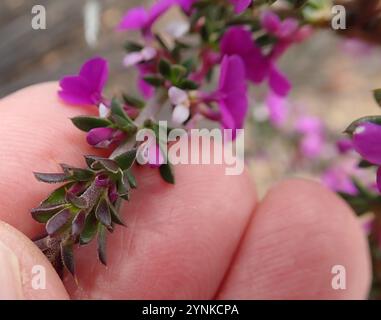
(10, 275)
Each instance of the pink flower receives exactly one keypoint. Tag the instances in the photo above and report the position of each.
(139, 18)
(344, 145)
(238, 41)
(86, 88)
(240, 5)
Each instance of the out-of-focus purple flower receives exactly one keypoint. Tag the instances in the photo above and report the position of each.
(277, 108)
(366, 141)
(85, 88)
(308, 124)
(238, 41)
(285, 29)
(101, 137)
(232, 93)
(338, 178)
(134, 58)
(312, 131)
(139, 18)
(344, 145)
(240, 5)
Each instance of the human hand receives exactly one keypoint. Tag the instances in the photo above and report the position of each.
(206, 237)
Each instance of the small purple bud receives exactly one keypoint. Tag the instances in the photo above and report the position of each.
(99, 136)
(344, 145)
(366, 141)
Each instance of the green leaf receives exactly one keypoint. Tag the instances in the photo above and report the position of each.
(99, 163)
(133, 102)
(86, 123)
(166, 173)
(154, 80)
(44, 213)
(377, 96)
(78, 174)
(68, 256)
(102, 247)
(131, 179)
(132, 46)
(78, 223)
(58, 196)
(119, 116)
(90, 229)
(165, 68)
(177, 73)
(126, 159)
(365, 164)
(186, 84)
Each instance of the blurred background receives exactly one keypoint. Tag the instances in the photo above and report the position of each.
(329, 81)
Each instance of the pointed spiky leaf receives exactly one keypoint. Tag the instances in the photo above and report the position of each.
(67, 256)
(76, 201)
(126, 159)
(86, 123)
(51, 177)
(102, 212)
(115, 215)
(58, 196)
(56, 223)
(78, 223)
(166, 173)
(44, 213)
(77, 174)
(131, 179)
(102, 233)
(90, 229)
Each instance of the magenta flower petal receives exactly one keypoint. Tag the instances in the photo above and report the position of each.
(134, 18)
(86, 88)
(96, 73)
(366, 141)
(270, 22)
(339, 179)
(240, 5)
(186, 5)
(278, 82)
(97, 136)
(309, 125)
(75, 90)
(238, 41)
(233, 90)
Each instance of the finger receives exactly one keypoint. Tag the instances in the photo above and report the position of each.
(297, 234)
(179, 240)
(36, 135)
(25, 273)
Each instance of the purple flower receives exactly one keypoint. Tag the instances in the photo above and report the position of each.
(277, 108)
(240, 5)
(101, 137)
(238, 41)
(344, 145)
(312, 131)
(338, 178)
(144, 87)
(232, 93)
(86, 88)
(285, 29)
(139, 18)
(186, 5)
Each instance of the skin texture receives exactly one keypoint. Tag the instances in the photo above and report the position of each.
(206, 237)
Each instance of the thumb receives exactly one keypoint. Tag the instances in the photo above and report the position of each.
(25, 273)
